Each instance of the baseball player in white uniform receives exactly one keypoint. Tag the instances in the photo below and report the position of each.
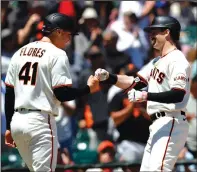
(37, 80)
(167, 78)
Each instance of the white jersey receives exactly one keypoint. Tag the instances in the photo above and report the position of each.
(35, 70)
(163, 74)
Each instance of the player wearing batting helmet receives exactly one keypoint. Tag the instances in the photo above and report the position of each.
(37, 81)
(167, 78)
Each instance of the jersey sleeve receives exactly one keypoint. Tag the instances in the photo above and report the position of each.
(10, 76)
(60, 71)
(179, 73)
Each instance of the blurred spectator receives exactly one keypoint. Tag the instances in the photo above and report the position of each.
(192, 58)
(112, 17)
(135, 45)
(64, 158)
(140, 8)
(106, 151)
(184, 12)
(92, 28)
(162, 8)
(31, 31)
(106, 154)
(4, 14)
(64, 123)
(103, 9)
(114, 58)
(93, 108)
(185, 155)
(9, 43)
(67, 8)
(84, 146)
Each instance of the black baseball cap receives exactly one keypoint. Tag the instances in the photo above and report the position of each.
(59, 21)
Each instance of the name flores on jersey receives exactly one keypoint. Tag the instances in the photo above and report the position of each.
(157, 75)
(34, 52)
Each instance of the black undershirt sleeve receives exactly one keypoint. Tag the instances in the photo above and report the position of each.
(172, 96)
(9, 105)
(139, 86)
(68, 93)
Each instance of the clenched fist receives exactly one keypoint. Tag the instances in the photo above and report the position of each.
(93, 83)
(101, 74)
(137, 96)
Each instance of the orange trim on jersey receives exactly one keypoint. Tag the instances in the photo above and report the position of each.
(167, 143)
(143, 80)
(9, 85)
(62, 85)
(179, 89)
(51, 163)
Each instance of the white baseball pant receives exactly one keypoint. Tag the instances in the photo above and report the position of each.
(35, 135)
(167, 138)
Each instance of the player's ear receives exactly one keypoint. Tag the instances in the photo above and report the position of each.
(167, 31)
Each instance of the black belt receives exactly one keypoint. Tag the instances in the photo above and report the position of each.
(28, 110)
(157, 115)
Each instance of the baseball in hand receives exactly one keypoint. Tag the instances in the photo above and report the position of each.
(102, 74)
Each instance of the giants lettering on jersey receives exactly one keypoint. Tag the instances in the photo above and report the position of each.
(157, 75)
(181, 77)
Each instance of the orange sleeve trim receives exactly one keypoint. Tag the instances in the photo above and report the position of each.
(62, 85)
(179, 89)
(9, 85)
(129, 88)
(142, 78)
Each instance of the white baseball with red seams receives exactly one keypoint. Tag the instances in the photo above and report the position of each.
(34, 71)
(167, 134)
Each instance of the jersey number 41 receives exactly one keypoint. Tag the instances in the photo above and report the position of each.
(24, 73)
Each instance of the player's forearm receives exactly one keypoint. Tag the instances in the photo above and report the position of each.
(172, 96)
(67, 93)
(9, 105)
(122, 115)
(124, 81)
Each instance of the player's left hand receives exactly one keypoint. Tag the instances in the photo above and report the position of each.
(9, 140)
(137, 96)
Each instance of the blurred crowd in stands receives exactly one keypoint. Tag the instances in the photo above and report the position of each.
(101, 127)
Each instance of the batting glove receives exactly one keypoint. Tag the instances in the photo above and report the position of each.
(102, 74)
(137, 96)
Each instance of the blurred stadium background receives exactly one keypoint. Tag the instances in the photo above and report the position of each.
(102, 131)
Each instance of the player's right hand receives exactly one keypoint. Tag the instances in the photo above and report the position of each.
(101, 74)
(9, 140)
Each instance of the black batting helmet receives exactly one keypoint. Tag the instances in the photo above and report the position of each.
(59, 21)
(166, 22)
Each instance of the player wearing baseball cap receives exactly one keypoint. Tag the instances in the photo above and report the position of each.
(167, 78)
(37, 81)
